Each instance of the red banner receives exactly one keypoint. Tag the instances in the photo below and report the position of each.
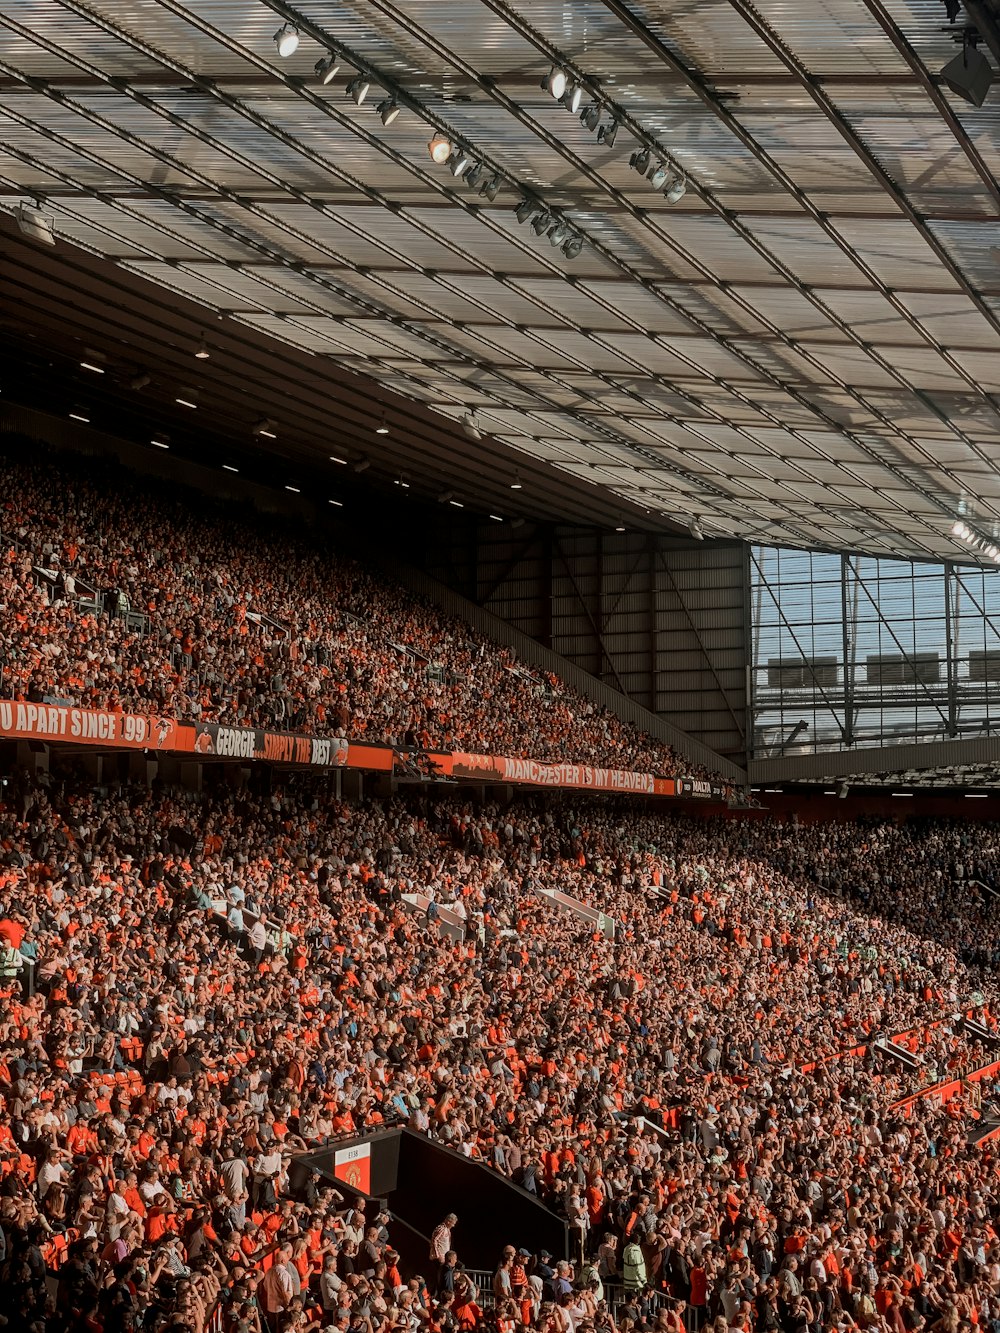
(531, 772)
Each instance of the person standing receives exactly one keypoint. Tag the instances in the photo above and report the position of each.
(440, 1245)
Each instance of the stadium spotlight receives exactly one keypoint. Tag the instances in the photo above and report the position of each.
(439, 149)
(202, 352)
(639, 161)
(607, 134)
(572, 98)
(516, 485)
(676, 190)
(658, 175)
(286, 39)
(357, 89)
(491, 188)
(474, 175)
(555, 82)
(525, 209)
(590, 117)
(35, 224)
(471, 426)
(542, 223)
(382, 428)
(573, 246)
(327, 69)
(559, 234)
(388, 110)
(969, 75)
(460, 161)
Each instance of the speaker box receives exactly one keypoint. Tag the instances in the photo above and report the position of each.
(969, 76)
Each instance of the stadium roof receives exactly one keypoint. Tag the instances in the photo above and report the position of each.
(783, 319)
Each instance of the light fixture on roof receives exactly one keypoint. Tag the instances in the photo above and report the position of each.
(471, 426)
(676, 190)
(338, 503)
(362, 465)
(969, 75)
(526, 209)
(457, 504)
(555, 82)
(140, 381)
(202, 352)
(291, 486)
(35, 224)
(607, 134)
(230, 467)
(160, 441)
(474, 175)
(541, 223)
(559, 233)
(516, 484)
(491, 188)
(402, 482)
(388, 110)
(460, 161)
(497, 518)
(694, 527)
(90, 365)
(590, 116)
(357, 89)
(658, 175)
(572, 98)
(327, 69)
(334, 459)
(382, 428)
(80, 414)
(573, 246)
(639, 161)
(265, 427)
(620, 527)
(439, 148)
(286, 39)
(186, 398)
(446, 497)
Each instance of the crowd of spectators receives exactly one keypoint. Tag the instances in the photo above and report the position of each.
(226, 978)
(119, 597)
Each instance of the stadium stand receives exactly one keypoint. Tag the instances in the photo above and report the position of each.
(119, 598)
(706, 1097)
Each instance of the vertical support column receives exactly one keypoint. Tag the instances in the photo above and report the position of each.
(653, 695)
(847, 636)
(951, 654)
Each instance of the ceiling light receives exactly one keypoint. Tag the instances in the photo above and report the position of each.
(202, 352)
(542, 223)
(573, 246)
(382, 429)
(492, 187)
(525, 209)
(296, 490)
(496, 518)
(658, 175)
(639, 161)
(474, 175)
(559, 233)
(902, 793)
(439, 148)
(362, 465)
(590, 117)
(338, 503)
(388, 110)
(286, 39)
(572, 98)
(976, 795)
(620, 527)
(676, 190)
(327, 69)
(446, 497)
(457, 504)
(265, 427)
(957, 528)
(229, 467)
(78, 415)
(400, 481)
(556, 82)
(460, 161)
(470, 426)
(139, 381)
(335, 459)
(159, 442)
(607, 134)
(515, 485)
(89, 365)
(35, 224)
(357, 89)
(186, 402)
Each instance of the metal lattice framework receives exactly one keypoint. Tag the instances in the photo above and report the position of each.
(800, 350)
